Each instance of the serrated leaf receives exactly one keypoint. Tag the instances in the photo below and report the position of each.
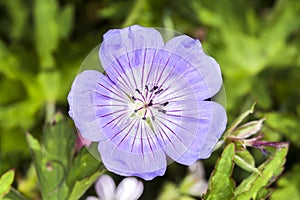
(5, 182)
(270, 170)
(220, 185)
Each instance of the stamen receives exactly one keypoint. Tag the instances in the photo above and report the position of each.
(150, 103)
(146, 87)
(154, 88)
(144, 118)
(164, 104)
(162, 111)
(159, 91)
(133, 98)
(153, 118)
(138, 91)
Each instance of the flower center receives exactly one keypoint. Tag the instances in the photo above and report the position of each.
(144, 105)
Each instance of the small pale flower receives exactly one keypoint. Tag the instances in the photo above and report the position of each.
(128, 189)
(152, 103)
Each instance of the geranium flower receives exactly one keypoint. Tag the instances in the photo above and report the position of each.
(152, 102)
(128, 189)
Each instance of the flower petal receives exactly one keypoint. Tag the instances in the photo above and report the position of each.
(93, 94)
(125, 49)
(129, 189)
(208, 134)
(126, 163)
(216, 129)
(105, 188)
(191, 51)
(180, 126)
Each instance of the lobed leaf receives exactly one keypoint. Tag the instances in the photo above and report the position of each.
(52, 158)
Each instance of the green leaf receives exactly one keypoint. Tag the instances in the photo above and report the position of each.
(53, 157)
(84, 170)
(18, 19)
(84, 165)
(29, 184)
(289, 184)
(59, 23)
(46, 36)
(5, 182)
(14, 195)
(270, 170)
(220, 185)
(50, 91)
(264, 193)
(82, 185)
(65, 20)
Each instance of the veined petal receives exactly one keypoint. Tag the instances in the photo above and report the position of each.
(172, 72)
(92, 94)
(208, 133)
(216, 129)
(184, 122)
(105, 188)
(122, 42)
(146, 165)
(190, 50)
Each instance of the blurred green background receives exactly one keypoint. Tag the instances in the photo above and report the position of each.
(256, 42)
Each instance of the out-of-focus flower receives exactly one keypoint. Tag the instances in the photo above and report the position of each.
(152, 102)
(194, 183)
(128, 189)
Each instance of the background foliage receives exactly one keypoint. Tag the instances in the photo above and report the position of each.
(43, 42)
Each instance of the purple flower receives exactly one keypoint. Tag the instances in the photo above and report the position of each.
(128, 189)
(151, 105)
